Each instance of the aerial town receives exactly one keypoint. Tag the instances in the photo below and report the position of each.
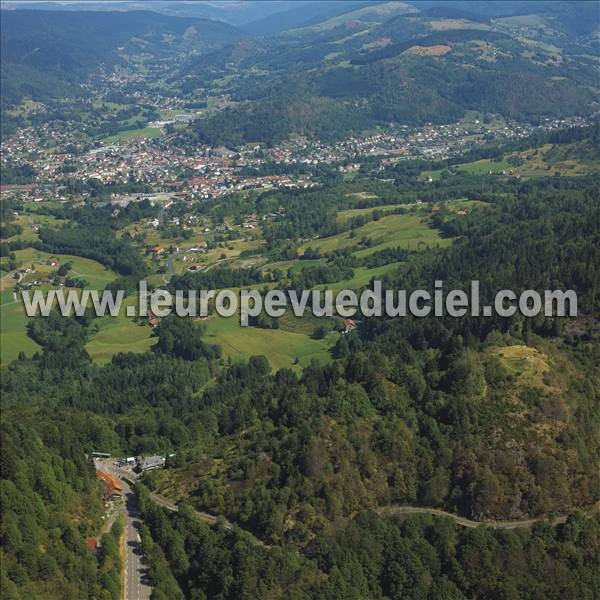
(209, 172)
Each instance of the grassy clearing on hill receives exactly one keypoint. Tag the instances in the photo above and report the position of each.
(527, 364)
(410, 231)
(361, 278)
(97, 275)
(345, 215)
(146, 132)
(281, 347)
(119, 334)
(27, 220)
(544, 161)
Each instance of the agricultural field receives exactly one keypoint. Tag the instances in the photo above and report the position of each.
(119, 334)
(146, 132)
(13, 323)
(14, 320)
(282, 348)
(410, 231)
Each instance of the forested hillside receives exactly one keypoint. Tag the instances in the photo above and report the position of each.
(51, 501)
(50, 54)
(419, 412)
(342, 76)
(412, 557)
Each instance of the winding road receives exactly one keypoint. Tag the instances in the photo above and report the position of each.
(463, 521)
(137, 586)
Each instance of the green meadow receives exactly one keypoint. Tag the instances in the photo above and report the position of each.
(478, 167)
(362, 277)
(282, 348)
(410, 231)
(113, 335)
(345, 215)
(13, 324)
(119, 334)
(97, 275)
(128, 134)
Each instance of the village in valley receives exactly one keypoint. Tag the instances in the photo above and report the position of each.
(191, 210)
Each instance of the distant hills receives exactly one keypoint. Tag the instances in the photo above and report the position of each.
(48, 54)
(391, 62)
(322, 69)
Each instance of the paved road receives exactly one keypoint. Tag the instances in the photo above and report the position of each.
(137, 586)
(170, 267)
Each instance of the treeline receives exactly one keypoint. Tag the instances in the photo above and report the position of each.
(97, 243)
(221, 277)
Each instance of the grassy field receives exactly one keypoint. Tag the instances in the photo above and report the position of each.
(119, 334)
(479, 167)
(97, 275)
(409, 231)
(146, 132)
(13, 326)
(283, 348)
(27, 220)
(345, 215)
(13, 323)
(361, 278)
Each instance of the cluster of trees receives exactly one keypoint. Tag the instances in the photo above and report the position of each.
(110, 564)
(180, 338)
(97, 243)
(220, 277)
(9, 229)
(24, 173)
(309, 277)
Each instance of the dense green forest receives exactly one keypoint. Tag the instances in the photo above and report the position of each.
(373, 557)
(51, 501)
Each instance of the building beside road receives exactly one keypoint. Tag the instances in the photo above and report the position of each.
(112, 486)
(152, 462)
